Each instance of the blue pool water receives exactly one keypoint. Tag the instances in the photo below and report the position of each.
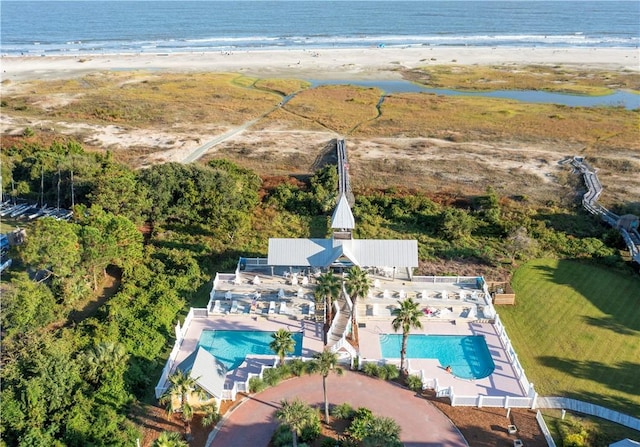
(468, 356)
(231, 347)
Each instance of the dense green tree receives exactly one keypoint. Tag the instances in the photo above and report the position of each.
(51, 246)
(116, 189)
(27, 305)
(324, 363)
(282, 344)
(108, 239)
(297, 415)
(357, 284)
(457, 224)
(406, 317)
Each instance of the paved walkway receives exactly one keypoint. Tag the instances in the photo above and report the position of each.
(252, 423)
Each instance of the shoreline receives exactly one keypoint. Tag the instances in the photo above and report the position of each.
(330, 63)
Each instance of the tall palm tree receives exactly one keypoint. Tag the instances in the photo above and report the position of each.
(407, 316)
(297, 415)
(181, 388)
(282, 343)
(170, 439)
(328, 289)
(324, 362)
(357, 285)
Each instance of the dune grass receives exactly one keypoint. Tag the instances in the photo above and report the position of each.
(576, 329)
(532, 77)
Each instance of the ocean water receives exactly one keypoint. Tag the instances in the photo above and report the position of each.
(97, 27)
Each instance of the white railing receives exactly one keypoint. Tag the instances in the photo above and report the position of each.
(446, 279)
(545, 430)
(511, 354)
(343, 343)
(180, 332)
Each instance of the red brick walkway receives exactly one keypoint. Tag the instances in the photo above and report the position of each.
(252, 423)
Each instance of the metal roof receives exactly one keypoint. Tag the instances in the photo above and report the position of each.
(208, 372)
(342, 216)
(362, 252)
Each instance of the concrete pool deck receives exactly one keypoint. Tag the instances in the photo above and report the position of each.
(502, 382)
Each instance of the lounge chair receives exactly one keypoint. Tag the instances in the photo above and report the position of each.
(272, 307)
(312, 308)
(216, 307)
(283, 308)
(424, 295)
(374, 310)
(444, 295)
(402, 294)
(228, 295)
(234, 307)
(386, 294)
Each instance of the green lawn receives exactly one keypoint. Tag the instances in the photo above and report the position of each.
(576, 329)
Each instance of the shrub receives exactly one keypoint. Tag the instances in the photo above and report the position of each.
(297, 367)
(370, 369)
(256, 384)
(343, 411)
(414, 383)
(312, 430)
(392, 371)
(272, 376)
(282, 437)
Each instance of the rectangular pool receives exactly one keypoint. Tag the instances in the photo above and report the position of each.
(468, 356)
(231, 347)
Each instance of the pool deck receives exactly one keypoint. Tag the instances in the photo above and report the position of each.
(458, 305)
(502, 382)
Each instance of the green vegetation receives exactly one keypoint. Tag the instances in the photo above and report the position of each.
(301, 419)
(533, 77)
(585, 430)
(164, 231)
(576, 328)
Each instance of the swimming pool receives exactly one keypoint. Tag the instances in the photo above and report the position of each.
(468, 356)
(231, 347)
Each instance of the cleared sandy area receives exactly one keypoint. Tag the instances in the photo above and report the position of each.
(360, 63)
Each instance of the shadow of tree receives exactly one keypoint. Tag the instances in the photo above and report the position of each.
(620, 377)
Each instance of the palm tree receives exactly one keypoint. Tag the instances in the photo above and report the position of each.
(282, 343)
(324, 362)
(328, 289)
(106, 358)
(182, 387)
(407, 316)
(297, 415)
(211, 415)
(170, 439)
(357, 286)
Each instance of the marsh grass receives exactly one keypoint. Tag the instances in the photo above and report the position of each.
(559, 79)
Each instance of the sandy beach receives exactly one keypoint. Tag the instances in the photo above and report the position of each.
(354, 63)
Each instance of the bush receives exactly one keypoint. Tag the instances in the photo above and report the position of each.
(256, 384)
(343, 411)
(391, 371)
(272, 376)
(311, 431)
(297, 367)
(414, 383)
(370, 369)
(282, 437)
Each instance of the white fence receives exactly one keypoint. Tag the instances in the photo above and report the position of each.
(513, 357)
(545, 430)
(446, 279)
